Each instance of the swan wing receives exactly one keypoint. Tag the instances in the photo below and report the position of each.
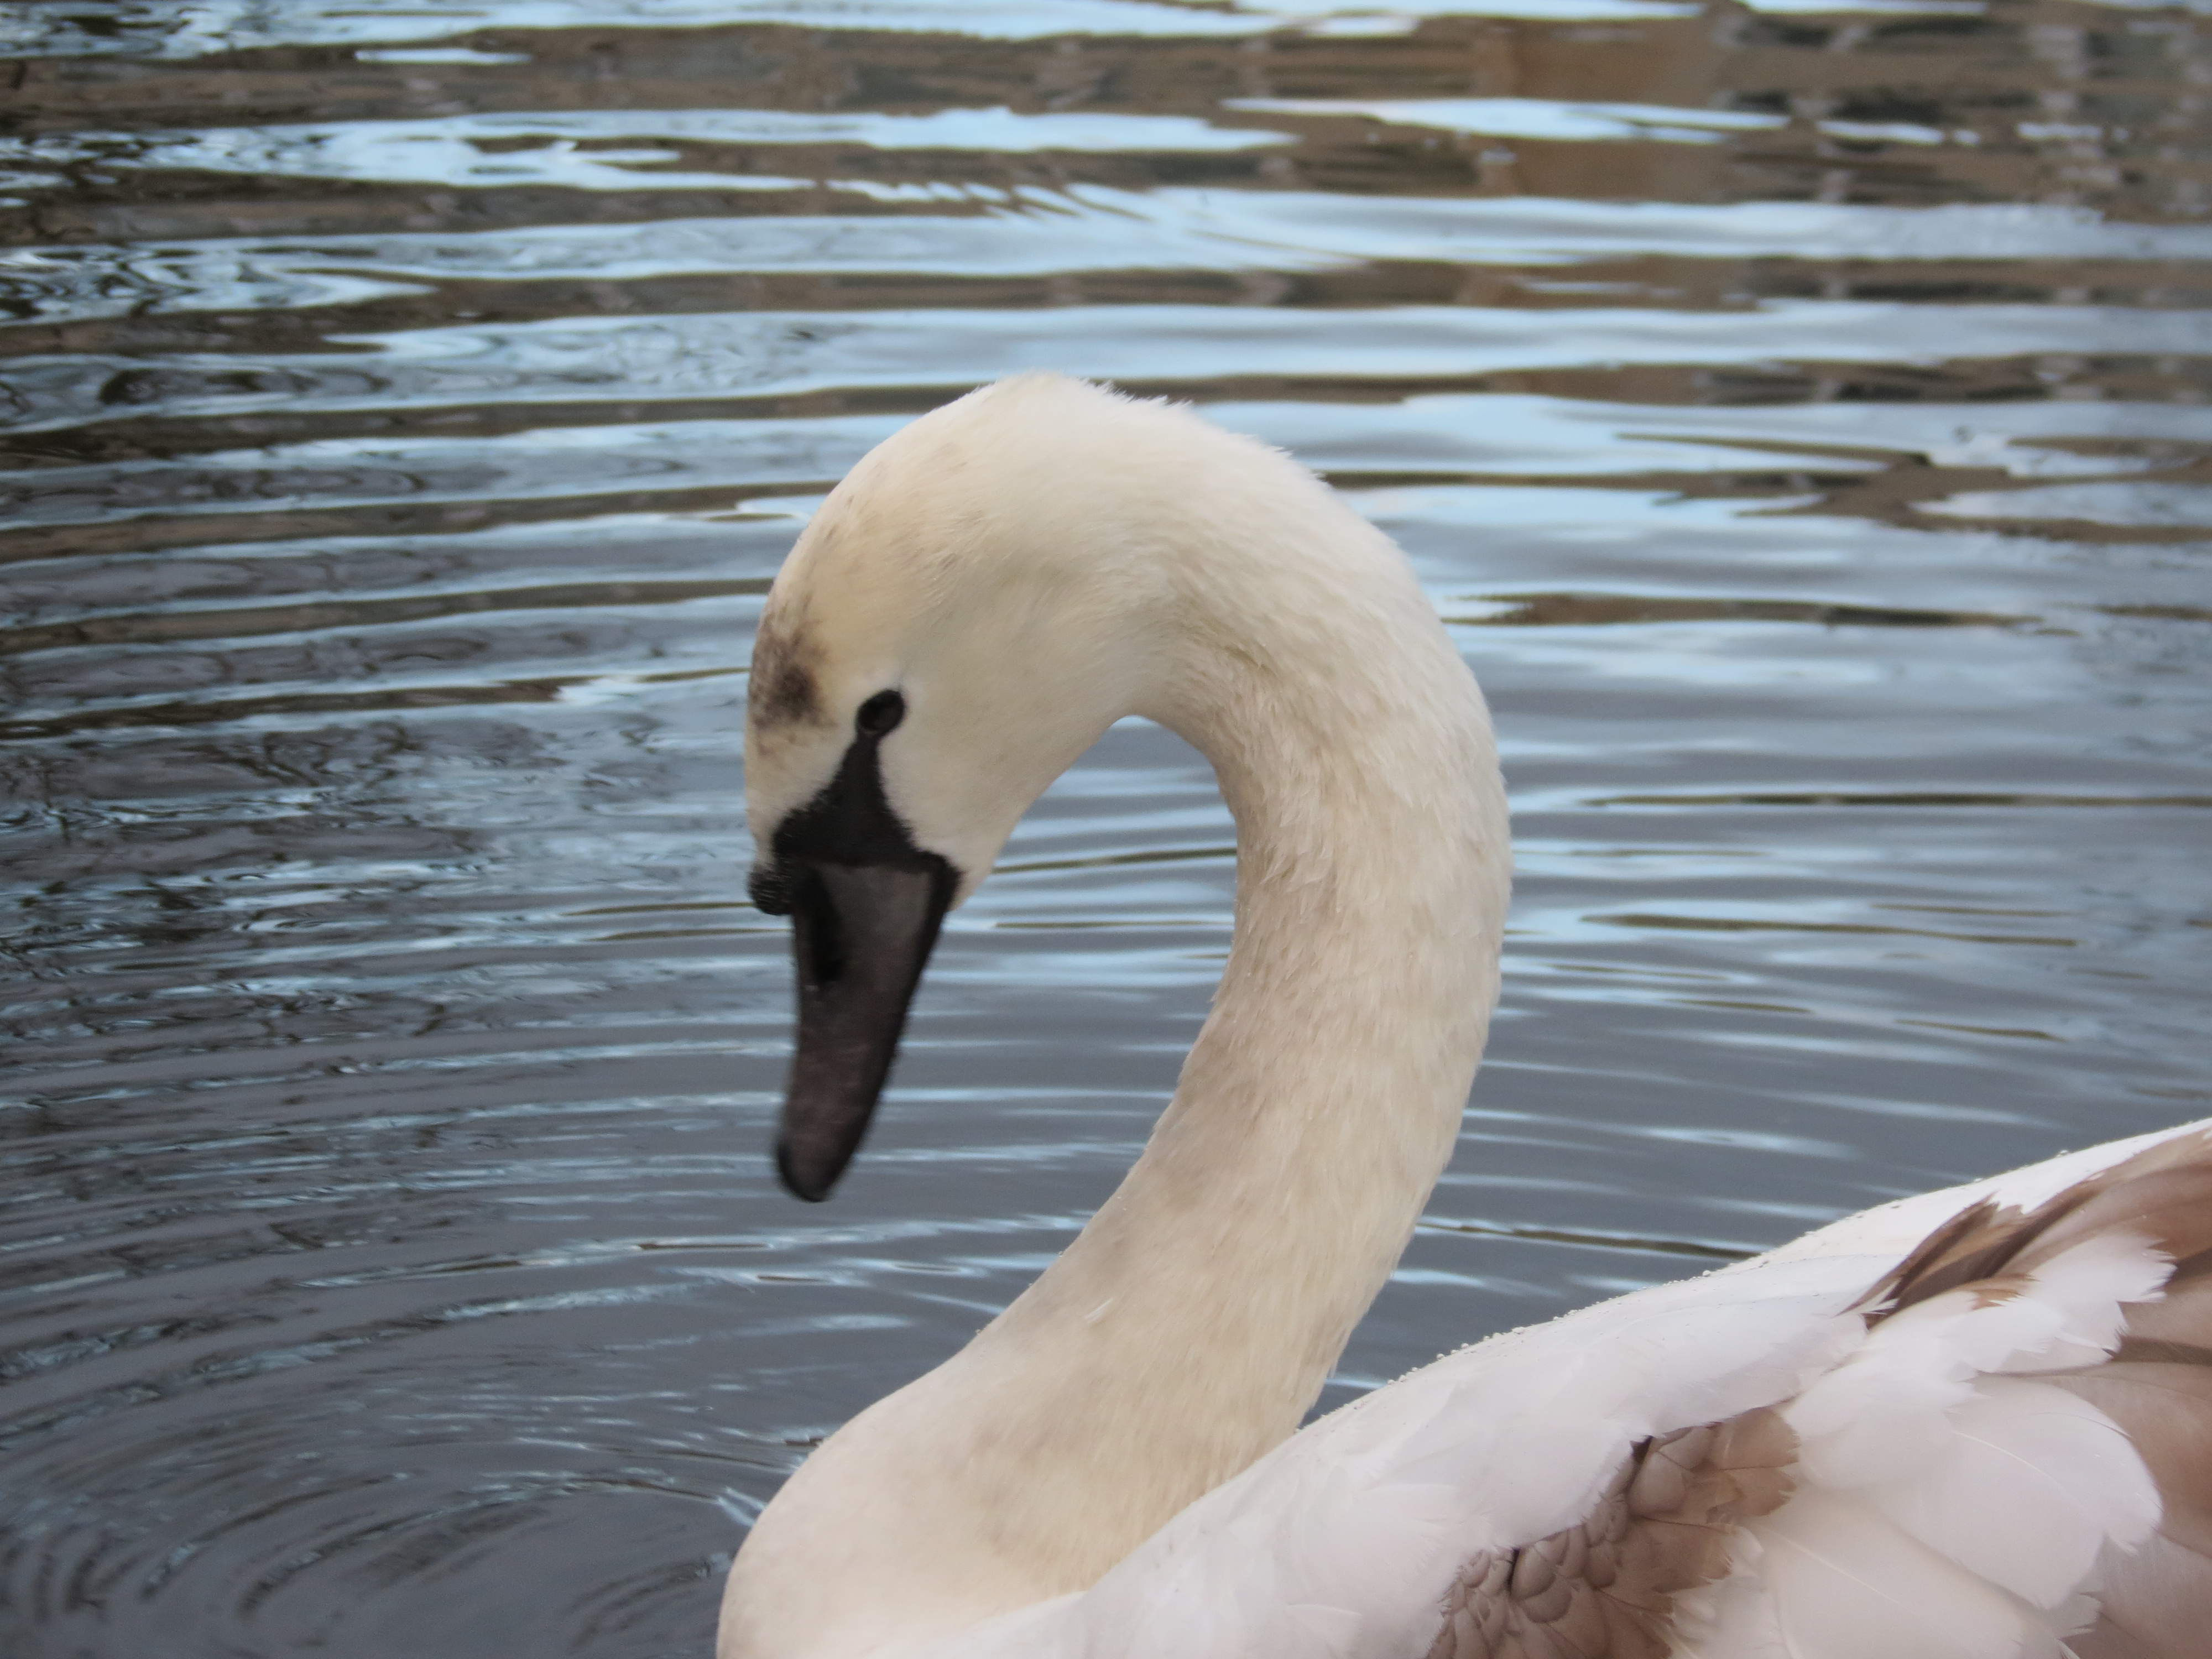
(2015, 1460)
(1976, 1425)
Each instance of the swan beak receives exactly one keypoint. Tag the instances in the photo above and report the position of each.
(860, 935)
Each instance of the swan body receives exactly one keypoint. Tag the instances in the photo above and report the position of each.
(1977, 1423)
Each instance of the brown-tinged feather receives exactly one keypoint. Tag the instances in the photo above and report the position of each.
(1605, 1588)
(2155, 1603)
(2163, 1195)
(2152, 1350)
(1972, 1245)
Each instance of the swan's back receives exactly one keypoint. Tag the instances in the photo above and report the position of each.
(1975, 1425)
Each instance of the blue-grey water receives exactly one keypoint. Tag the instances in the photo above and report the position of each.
(1799, 413)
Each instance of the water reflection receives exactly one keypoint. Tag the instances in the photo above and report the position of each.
(1799, 414)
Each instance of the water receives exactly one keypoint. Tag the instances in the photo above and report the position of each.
(1799, 414)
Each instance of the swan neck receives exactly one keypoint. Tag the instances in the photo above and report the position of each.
(1193, 1322)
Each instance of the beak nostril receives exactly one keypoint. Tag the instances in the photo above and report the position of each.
(818, 933)
(769, 892)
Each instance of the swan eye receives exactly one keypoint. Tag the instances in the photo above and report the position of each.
(879, 714)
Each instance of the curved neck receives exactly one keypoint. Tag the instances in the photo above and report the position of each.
(1192, 1324)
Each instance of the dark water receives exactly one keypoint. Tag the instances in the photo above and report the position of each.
(1802, 415)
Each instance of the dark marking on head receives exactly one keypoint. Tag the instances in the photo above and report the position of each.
(784, 689)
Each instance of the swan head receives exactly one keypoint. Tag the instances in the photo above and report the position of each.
(965, 616)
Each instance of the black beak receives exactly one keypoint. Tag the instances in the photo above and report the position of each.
(860, 935)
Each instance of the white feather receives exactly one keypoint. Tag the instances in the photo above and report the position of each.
(1847, 1584)
(1942, 1502)
(2032, 1485)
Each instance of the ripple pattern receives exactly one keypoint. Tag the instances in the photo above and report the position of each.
(1801, 413)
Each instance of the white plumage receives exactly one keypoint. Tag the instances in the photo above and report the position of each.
(1874, 1443)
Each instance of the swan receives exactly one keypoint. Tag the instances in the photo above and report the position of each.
(1976, 1423)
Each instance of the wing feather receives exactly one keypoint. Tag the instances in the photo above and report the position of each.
(2003, 1449)
(2013, 1461)
(1605, 1588)
(2020, 1451)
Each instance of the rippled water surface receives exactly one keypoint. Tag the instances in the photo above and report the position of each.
(1799, 414)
